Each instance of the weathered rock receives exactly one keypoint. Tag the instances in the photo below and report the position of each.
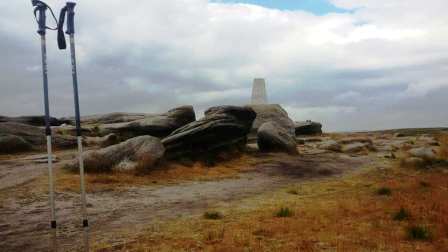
(221, 128)
(398, 134)
(307, 128)
(428, 140)
(116, 117)
(13, 144)
(413, 162)
(32, 120)
(274, 138)
(350, 140)
(426, 153)
(272, 113)
(310, 139)
(67, 129)
(300, 141)
(41, 158)
(140, 151)
(330, 145)
(355, 147)
(104, 141)
(155, 125)
(36, 135)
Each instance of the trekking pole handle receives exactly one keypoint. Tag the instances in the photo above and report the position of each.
(40, 9)
(70, 18)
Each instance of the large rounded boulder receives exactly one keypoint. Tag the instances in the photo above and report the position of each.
(160, 125)
(271, 113)
(222, 127)
(142, 151)
(271, 137)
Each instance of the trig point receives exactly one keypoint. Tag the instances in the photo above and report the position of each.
(259, 92)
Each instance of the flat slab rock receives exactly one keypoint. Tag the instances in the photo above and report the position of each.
(160, 125)
(221, 128)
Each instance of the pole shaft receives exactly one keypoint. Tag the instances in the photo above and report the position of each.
(78, 128)
(48, 130)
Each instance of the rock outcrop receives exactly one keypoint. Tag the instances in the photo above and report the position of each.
(142, 151)
(274, 138)
(13, 144)
(272, 113)
(154, 125)
(116, 117)
(104, 141)
(355, 148)
(330, 145)
(413, 162)
(425, 153)
(221, 128)
(32, 120)
(307, 128)
(35, 136)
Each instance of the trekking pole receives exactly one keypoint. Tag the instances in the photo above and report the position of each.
(69, 9)
(39, 12)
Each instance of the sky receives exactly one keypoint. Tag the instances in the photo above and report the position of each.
(350, 64)
(318, 7)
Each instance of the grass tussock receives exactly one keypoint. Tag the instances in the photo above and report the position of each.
(401, 215)
(425, 184)
(293, 191)
(213, 215)
(214, 235)
(420, 233)
(384, 191)
(284, 212)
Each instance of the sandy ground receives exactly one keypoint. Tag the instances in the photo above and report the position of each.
(24, 212)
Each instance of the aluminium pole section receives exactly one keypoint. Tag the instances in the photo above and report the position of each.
(71, 32)
(40, 9)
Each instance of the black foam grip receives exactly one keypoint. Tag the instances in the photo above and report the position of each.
(61, 36)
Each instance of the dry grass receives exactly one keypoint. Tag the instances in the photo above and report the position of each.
(335, 215)
(165, 173)
(443, 141)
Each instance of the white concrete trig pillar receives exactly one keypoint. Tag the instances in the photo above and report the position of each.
(259, 95)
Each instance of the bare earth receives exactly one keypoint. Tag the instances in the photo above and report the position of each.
(24, 211)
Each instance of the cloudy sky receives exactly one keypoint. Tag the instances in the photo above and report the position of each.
(351, 64)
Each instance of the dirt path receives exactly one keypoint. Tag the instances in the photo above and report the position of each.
(24, 220)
